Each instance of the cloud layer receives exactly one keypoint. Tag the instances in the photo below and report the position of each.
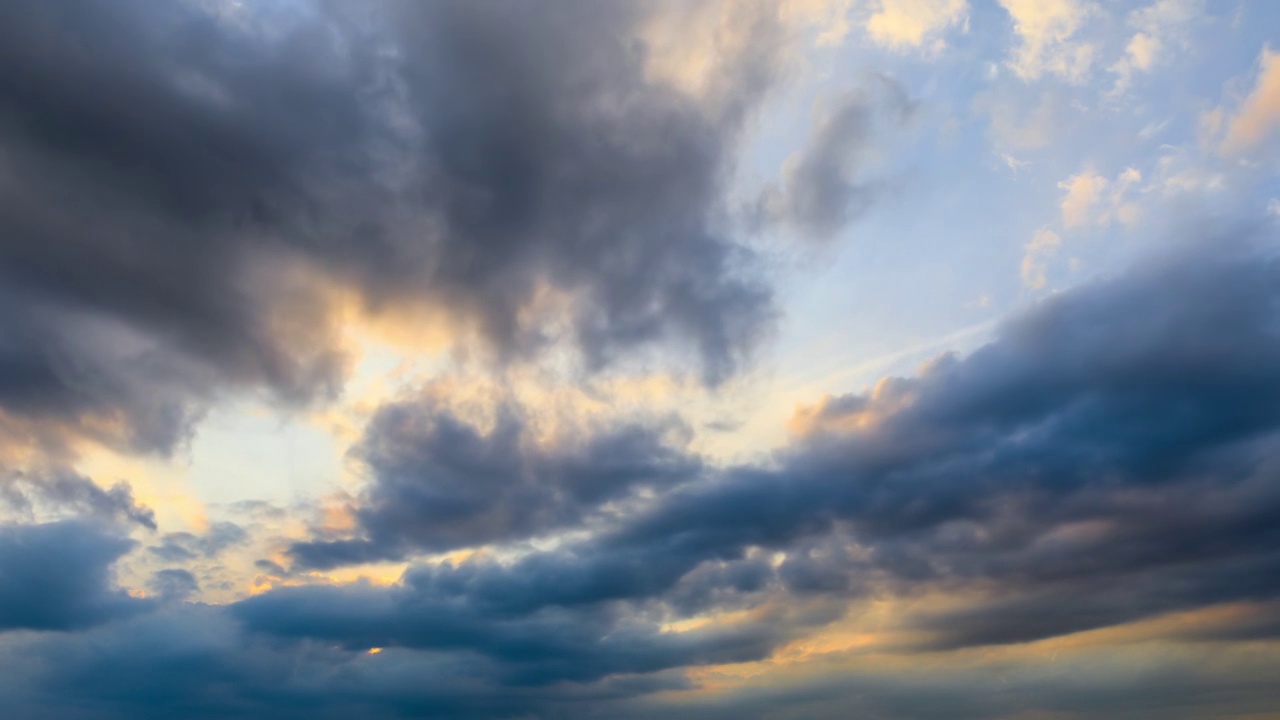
(455, 249)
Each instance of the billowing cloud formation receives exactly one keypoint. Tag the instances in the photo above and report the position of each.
(1047, 38)
(1115, 433)
(1159, 29)
(190, 195)
(66, 493)
(213, 206)
(1115, 446)
(441, 483)
(1108, 458)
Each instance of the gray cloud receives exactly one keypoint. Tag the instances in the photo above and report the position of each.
(1110, 456)
(180, 191)
(173, 176)
(65, 492)
(822, 191)
(440, 483)
(173, 584)
(56, 576)
(182, 546)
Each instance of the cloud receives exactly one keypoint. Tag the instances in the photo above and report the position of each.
(67, 493)
(551, 646)
(1107, 458)
(914, 23)
(1046, 31)
(182, 546)
(440, 482)
(1259, 114)
(1113, 443)
(56, 576)
(1043, 247)
(1158, 28)
(197, 200)
(173, 584)
(1015, 126)
(821, 192)
(211, 199)
(1093, 200)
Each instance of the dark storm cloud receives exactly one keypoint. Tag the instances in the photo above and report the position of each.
(822, 191)
(440, 483)
(1112, 455)
(125, 212)
(57, 576)
(65, 492)
(181, 184)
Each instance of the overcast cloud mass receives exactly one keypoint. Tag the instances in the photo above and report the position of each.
(811, 358)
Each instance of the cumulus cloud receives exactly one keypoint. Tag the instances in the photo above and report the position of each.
(194, 200)
(441, 482)
(1047, 42)
(1159, 29)
(1090, 199)
(915, 23)
(1109, 457)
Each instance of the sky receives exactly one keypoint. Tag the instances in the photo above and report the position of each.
(571, 359)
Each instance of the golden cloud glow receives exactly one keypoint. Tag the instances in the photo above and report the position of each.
(1259, 114)
(915, 23)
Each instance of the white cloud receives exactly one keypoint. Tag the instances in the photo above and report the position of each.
(1015, 164)
(1157, 28)
(1151, 130)
(1036, 256)
(903, 24)
(1093, 200)
(1046, 31)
